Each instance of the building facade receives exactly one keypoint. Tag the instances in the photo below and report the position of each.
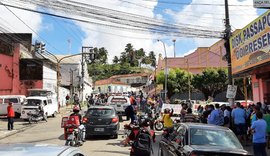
(250, 55)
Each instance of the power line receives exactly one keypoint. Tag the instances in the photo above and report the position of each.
(207, 4)
(188, 33)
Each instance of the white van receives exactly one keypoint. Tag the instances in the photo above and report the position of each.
(32, 103)
(17, 101)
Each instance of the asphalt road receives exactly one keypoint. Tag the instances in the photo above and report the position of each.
(51, 133)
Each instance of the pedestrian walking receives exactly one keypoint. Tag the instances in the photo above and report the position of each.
(10, 116)
(239, 122)
(258, 128)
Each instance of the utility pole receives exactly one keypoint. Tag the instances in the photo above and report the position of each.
(85, 50)
(227, 45)
(189, 92)
(82, 80)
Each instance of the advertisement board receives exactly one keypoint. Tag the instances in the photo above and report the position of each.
(176, 108)
(261, 3)
(251, 45)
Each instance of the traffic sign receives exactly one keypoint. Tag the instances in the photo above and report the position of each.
(231, 91)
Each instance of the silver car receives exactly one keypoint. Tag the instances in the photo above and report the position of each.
(38, 150)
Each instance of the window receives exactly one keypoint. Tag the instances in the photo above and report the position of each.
(119, 100)
(1, 101)
(13, 100)
(211, 137)
(100, 112)
(33, 102)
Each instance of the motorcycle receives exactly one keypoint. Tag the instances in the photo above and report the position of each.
(73, 136)
(72, 131)
(128, 128)
(36, 117)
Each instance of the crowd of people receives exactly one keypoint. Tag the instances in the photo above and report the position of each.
(250, 123)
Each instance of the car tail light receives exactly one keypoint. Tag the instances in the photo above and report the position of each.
(114, 120)
(84, 120)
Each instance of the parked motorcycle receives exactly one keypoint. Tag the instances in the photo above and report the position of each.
(36, 117)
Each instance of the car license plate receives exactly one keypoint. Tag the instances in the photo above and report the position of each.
(99, 129)
(118, 105)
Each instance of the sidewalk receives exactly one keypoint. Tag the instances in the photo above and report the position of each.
(21, 125)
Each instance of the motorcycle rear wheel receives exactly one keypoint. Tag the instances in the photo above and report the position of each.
(159, 126)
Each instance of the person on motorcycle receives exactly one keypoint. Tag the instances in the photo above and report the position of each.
(76, 112)
(168, 122)
(40, 110)
(135, 132)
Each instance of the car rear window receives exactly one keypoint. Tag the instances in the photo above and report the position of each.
(13, 100)
(119, 100)
(100, 112)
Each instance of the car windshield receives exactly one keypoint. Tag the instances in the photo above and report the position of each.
(33, 102)
(212, 137)
(100, 112)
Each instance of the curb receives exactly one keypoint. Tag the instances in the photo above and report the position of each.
(17, 131)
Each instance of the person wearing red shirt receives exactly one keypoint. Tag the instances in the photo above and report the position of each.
(10, 116)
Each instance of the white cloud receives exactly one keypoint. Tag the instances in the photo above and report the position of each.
(189, 52)
(115, 44)
(211, 17)
(12, 24)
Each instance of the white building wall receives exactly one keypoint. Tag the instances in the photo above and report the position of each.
(49, 79)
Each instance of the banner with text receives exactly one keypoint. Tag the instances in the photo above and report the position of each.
(250, 46)
(176, 108)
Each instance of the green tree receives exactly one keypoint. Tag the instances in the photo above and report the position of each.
(177, 81)
(211, 82)
(150, 59)
(115, 60)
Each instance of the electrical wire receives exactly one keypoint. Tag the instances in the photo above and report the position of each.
(162, 30)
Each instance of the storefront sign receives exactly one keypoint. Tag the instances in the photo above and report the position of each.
(251, 45)
(261, 3)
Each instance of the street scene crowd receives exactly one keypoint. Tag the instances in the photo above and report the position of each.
(250, 124)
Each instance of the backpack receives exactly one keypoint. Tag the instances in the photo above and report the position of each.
(142, 145)
(128, 110)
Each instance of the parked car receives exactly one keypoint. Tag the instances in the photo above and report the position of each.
(220, 103)
(17, 101)
(120, 103)
(244, 103)
(101, 120)
(201, 139)
(38, 149)
(50, 107)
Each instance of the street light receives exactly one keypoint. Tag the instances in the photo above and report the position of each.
(166, 70)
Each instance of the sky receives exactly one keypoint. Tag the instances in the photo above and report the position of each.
(63, 36)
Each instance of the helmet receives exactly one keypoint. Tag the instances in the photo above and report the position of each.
(76, 108)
